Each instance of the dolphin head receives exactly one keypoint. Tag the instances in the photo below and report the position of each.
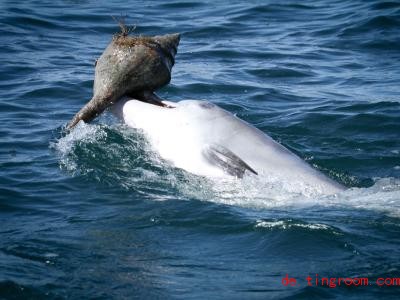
(127, 66)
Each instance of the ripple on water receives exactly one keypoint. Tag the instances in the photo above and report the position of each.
(95, 213)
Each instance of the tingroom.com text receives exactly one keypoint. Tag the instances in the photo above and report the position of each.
(334, 282)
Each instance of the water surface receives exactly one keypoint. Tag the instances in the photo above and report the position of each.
(97, 214)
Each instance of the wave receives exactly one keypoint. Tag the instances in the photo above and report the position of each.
(120, 156)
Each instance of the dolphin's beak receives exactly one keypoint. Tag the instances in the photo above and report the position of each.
(129, 65)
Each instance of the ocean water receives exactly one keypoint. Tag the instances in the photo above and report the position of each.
(96, 214)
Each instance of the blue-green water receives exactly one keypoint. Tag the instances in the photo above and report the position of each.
(95, 214)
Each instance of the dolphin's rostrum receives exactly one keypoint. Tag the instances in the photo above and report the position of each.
(130, 65)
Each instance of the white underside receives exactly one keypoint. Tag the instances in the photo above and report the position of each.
(181, 134)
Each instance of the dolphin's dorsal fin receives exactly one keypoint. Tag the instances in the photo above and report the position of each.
(227, 160)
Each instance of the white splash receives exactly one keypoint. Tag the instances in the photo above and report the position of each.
(383, 196)
(260, 192)
(280, 224)
(82, 133)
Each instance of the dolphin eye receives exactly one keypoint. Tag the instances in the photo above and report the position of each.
(95, 62)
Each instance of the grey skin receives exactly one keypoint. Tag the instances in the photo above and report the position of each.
(133, 66)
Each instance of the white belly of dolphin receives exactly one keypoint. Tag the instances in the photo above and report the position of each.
(205, 139)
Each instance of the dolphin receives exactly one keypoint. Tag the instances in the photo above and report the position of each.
(130, 65)
(197, 136)
(204, 139)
